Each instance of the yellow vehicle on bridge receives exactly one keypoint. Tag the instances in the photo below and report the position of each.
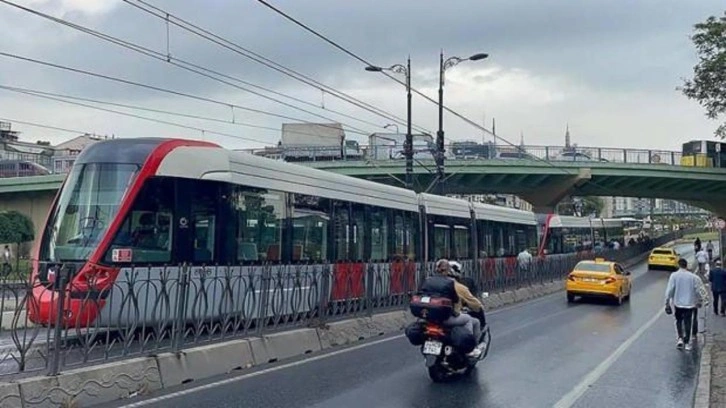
(599, 278)
(663, 258)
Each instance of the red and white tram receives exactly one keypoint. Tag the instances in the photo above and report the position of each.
(160, 202)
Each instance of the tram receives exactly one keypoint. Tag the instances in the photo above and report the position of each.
(561, 234)
(160, 202)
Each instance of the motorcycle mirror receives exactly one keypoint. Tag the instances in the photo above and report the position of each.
(484, 295)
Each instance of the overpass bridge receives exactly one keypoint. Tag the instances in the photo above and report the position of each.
(545, 183)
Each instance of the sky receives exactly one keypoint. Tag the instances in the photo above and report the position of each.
(607, 69)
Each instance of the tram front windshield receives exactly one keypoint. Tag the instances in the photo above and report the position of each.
(86, 207)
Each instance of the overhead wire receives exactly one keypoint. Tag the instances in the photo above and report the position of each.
(191, 67)
(161, 89)
(160, 121)
(60, 129)
(185, 25)
(367, 63)
(60, 97)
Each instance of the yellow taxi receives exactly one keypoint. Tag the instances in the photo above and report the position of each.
(663, 258)
(599, 278)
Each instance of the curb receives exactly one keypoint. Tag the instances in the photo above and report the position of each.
(702, 397)
(125, 379)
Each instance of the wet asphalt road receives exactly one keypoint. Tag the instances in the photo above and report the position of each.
(544, 352)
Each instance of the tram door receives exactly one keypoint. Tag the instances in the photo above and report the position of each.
(197, 229)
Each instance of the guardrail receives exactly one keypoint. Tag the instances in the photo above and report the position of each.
(148, 310)
(387, 153)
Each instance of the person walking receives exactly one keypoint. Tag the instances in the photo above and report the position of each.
(683, 292)
(702, 259)
(717, 277)
(709, 249)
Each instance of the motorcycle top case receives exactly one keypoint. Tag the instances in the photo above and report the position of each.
(431, 308)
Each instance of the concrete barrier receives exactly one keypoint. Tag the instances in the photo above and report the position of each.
(204, 362)
(279, 346)
(92, 385)
(10, 395)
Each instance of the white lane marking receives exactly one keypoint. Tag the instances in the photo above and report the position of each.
(570, 398)
(258, 373)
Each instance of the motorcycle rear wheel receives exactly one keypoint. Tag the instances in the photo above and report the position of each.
(437, 374)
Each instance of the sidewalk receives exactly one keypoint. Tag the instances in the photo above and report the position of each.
(714, 359)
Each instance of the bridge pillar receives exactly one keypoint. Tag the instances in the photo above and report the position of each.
(547, 196)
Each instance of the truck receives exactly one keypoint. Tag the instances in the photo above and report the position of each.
(316, 142)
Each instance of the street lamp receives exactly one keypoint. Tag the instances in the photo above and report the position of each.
(392, 125)
(408, 145)
(443, 66)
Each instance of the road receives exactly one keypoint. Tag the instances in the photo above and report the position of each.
(544, 353)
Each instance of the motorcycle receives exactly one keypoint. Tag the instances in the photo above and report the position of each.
(443, 359)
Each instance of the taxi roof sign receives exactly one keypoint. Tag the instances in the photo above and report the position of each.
(599, 259)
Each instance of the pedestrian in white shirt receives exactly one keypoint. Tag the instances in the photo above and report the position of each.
(524, 258)
(702, 259)
(685, 290)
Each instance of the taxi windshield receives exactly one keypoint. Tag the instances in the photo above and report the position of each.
(592, 267)
(662, 252)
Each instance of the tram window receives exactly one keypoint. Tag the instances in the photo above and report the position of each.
(379, 234)
(358, 233)
(442, 241)
(147, 231)
(341, 231)
(412, 235)
(400, 235)
(311, 217)
(486, 246)
(461, 242)
(259, 224)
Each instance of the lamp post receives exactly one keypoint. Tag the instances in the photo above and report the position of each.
(443, 66)
(408, 145)
(392, 125)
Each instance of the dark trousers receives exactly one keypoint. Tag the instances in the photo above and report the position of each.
(716, 297)
(684, 321)
(694, 323)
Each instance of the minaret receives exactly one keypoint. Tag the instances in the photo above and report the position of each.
(567, 136)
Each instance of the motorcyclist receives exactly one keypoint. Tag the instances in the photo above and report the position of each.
(460, 295)
(469, 283)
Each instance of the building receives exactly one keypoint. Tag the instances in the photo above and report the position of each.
(633, 206)
(504, 200)
(66, 152)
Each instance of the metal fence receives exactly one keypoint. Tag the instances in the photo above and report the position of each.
(148, 310)
(387, 153)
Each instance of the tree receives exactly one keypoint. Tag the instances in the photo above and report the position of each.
(16, 228)
(708, 85)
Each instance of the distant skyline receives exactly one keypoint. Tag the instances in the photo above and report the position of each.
(607, 70)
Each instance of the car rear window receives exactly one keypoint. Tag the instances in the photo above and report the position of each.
(662, 252)
(593, 267)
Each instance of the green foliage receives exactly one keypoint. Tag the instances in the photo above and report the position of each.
(16, 227)
(708, 85)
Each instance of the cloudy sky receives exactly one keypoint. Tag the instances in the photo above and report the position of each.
(609, 69)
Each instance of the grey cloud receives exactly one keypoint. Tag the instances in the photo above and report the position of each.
(628, 45)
